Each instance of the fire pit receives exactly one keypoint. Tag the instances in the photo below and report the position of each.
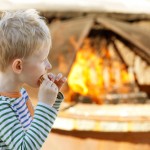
(100, 60)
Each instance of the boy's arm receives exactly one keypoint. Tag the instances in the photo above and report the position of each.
(14, 136)
(56, 105)
(58, 101)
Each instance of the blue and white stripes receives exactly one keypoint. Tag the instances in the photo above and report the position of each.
(20, 108)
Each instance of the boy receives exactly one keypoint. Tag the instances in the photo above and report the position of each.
(24, 47)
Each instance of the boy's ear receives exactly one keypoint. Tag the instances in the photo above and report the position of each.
(17, 66)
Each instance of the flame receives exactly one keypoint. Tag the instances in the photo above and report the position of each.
(92, 75)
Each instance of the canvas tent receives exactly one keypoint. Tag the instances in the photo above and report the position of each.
(121, 6)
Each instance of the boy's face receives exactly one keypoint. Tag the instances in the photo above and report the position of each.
(36, 65)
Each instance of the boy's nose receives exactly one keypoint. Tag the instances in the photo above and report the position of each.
(48, 65)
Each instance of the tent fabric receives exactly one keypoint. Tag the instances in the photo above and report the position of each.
(119, 6)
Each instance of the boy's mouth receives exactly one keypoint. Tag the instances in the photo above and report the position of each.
(41, 79)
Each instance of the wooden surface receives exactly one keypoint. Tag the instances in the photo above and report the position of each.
(135, 137)
(119, 113)
(57, 141)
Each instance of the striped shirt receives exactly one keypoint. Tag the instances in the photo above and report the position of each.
(18, 131)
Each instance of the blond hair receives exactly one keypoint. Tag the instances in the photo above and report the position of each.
(21, 33)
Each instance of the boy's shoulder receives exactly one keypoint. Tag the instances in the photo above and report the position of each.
(3, 101)
(7, 102)
(4, 105)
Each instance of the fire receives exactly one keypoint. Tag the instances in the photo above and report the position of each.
(93, 75)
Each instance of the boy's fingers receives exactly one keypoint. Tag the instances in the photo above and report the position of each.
(58, 77)
(64, 79)
(61, 82)
(51, 77)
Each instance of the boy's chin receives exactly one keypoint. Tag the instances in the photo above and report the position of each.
(35, 85)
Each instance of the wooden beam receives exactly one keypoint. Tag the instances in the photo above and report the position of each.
(67, 37)
(135, 35)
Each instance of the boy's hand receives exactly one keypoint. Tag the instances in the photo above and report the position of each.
(59, 80)
(48, 92)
